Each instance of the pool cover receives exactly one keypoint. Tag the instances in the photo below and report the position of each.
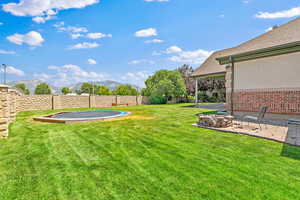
(82, 116)
(89, 114)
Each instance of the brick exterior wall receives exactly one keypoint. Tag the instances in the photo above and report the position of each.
(279, 101)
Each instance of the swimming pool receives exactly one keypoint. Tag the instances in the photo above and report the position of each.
(82, 116)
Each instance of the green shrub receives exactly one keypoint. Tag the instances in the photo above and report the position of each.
(213, 99)
(158, 100)
(202, 96)
(190, 99)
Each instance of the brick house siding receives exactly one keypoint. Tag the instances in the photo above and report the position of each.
(279, 101)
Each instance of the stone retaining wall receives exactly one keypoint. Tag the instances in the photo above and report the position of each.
(130, 100)
(34, 102)
(8, 108)
(103, 101)
(49, 102)
(62, 102)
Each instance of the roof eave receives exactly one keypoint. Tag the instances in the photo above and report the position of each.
(261, 53)
(208, 75)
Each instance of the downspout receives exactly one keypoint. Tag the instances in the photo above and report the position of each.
(232, 84)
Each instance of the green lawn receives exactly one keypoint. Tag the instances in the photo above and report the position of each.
(153, 154)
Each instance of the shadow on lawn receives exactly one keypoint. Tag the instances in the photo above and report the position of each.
(211, 106)
(289, 148)
(291, 151)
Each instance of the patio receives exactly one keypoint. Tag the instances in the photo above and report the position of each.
(271, 130)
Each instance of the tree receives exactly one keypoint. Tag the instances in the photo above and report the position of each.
(78, 92)
(145, 92)
(103, 90)
(190, 83)
(126, 90)
(22, 87)
(42, 88)
(89, 88)
(86, 88)
(165, 83)
(66, 90)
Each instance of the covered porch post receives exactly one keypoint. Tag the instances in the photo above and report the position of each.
(196, 91)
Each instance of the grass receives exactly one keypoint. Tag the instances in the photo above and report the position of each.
(153, 154)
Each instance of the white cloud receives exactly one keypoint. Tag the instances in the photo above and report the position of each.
(69, 73)
(135, 62)
(14, 71)
(98, 35)
(44, 8)
(269, 29)
(72, 29)
(7, 52)
(192, 57)
(146, 32)
(42, 19)
(32, 38)
(76, 35)
(281, 14)
(157, 0)
(85, 45)
(78, 32)
(91, 61)
(173, 49)
(154, 41)
(136, 78)
(42, 77)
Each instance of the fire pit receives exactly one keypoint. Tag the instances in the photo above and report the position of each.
(216, 121)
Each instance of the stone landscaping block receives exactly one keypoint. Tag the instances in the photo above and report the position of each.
(215, 121)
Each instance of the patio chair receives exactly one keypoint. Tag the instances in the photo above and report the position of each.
(258, 119)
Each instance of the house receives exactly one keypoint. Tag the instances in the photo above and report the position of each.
(264, 71)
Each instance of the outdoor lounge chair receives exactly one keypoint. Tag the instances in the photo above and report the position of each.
(257, 119)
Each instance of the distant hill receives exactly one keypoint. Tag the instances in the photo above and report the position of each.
(31, 85)
(110, 84)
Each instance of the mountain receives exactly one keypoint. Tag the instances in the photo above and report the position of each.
(110, 84)
(31, 85)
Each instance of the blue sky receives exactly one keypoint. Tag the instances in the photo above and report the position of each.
(68, 41)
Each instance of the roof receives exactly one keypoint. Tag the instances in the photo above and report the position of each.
(211, 66)
(287, 33)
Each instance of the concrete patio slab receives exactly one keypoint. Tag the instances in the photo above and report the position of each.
(269, 132)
